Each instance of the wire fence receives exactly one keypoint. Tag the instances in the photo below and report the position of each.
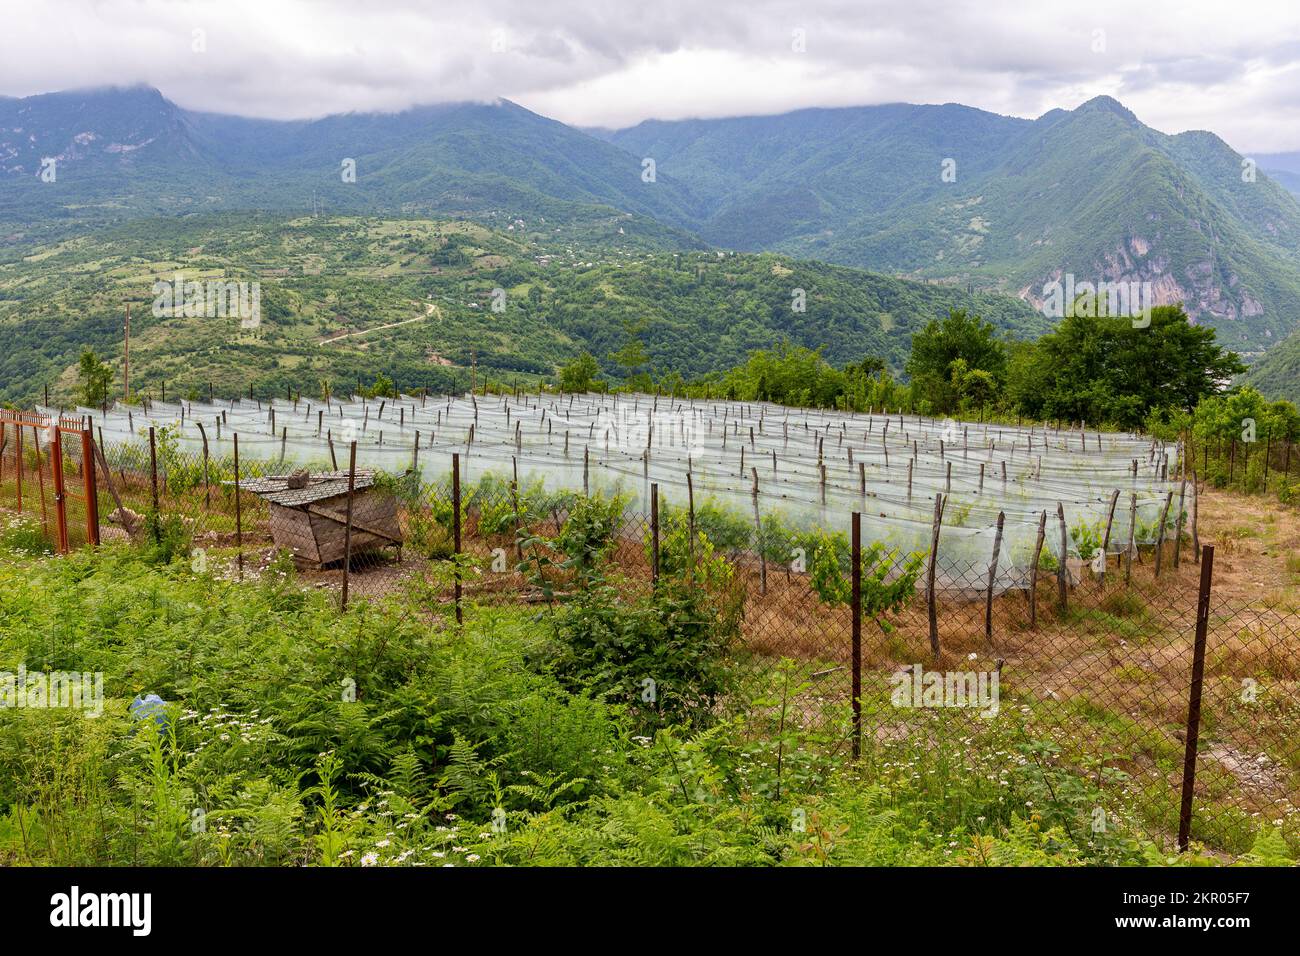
(1118, 659)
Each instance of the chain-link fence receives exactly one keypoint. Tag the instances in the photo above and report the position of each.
(1065, 653)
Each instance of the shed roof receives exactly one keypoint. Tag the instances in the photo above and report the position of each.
(326, 484)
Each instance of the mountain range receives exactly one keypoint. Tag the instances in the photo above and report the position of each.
(944, 193)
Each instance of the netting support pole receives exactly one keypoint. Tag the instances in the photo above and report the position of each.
(1160, 535)
(1132, 538)
(993, 573)
(931, 610)
(857, 634)
(1062, 572)
(690, 509)
(1196, 507)
(1033, 572)
(1178, 531)
(654, 533)
(207, 491)
(1110, 522)
(1194, 698)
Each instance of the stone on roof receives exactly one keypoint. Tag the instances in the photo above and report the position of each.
(325, 484)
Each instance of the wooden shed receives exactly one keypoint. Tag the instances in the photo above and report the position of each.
(311, 522)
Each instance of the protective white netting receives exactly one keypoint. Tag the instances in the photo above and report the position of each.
(810, 468)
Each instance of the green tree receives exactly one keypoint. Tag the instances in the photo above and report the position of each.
(96, 378)
(959, 338)
(1104, 370)
(581, 375)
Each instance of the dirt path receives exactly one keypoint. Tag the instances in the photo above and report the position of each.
(430, 310)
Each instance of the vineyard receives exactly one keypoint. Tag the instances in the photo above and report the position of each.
(770, 570)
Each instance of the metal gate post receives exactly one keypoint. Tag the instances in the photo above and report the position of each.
(92, 486)
(60, 503)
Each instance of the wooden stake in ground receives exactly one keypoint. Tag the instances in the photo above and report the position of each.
(932, 610)
(1033, 572)
(993, 573)
(1178, 532)
(207, 491)
(1132, 538)
(1196, 507)
(690, 510)
(1160, 535)
(1105, 540)
(1062, 572)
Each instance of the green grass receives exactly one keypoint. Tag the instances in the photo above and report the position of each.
(388, 736)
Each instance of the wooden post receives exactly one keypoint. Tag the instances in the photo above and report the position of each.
(1132, 537)
(1062, 573)
(1178, 531)
(856, 609)
(932, 611)
(1160, 535)
(993, 571)
(1196, 507)
(1110, 519)
(690, 508)
(1194, 698)
(654, 533)
(347, 526)
(1033, 572)
(207, 491)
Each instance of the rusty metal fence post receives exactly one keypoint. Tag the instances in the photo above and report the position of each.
(91, 486)
(654, 534)
(856, 607)
(239, 517)
(455, 532)
(1194, 697)
(60, 501)
(347, 526)
(153, 470)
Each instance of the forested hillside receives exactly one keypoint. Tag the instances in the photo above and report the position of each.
(343, 298)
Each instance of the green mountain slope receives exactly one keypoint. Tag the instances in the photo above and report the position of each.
(132, 152)
(1091, 192)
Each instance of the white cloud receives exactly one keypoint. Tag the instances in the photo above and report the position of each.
(1178, 65)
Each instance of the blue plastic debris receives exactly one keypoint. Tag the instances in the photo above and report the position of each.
(150, 706)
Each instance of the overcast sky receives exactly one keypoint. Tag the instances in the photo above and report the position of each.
(1233, 68)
